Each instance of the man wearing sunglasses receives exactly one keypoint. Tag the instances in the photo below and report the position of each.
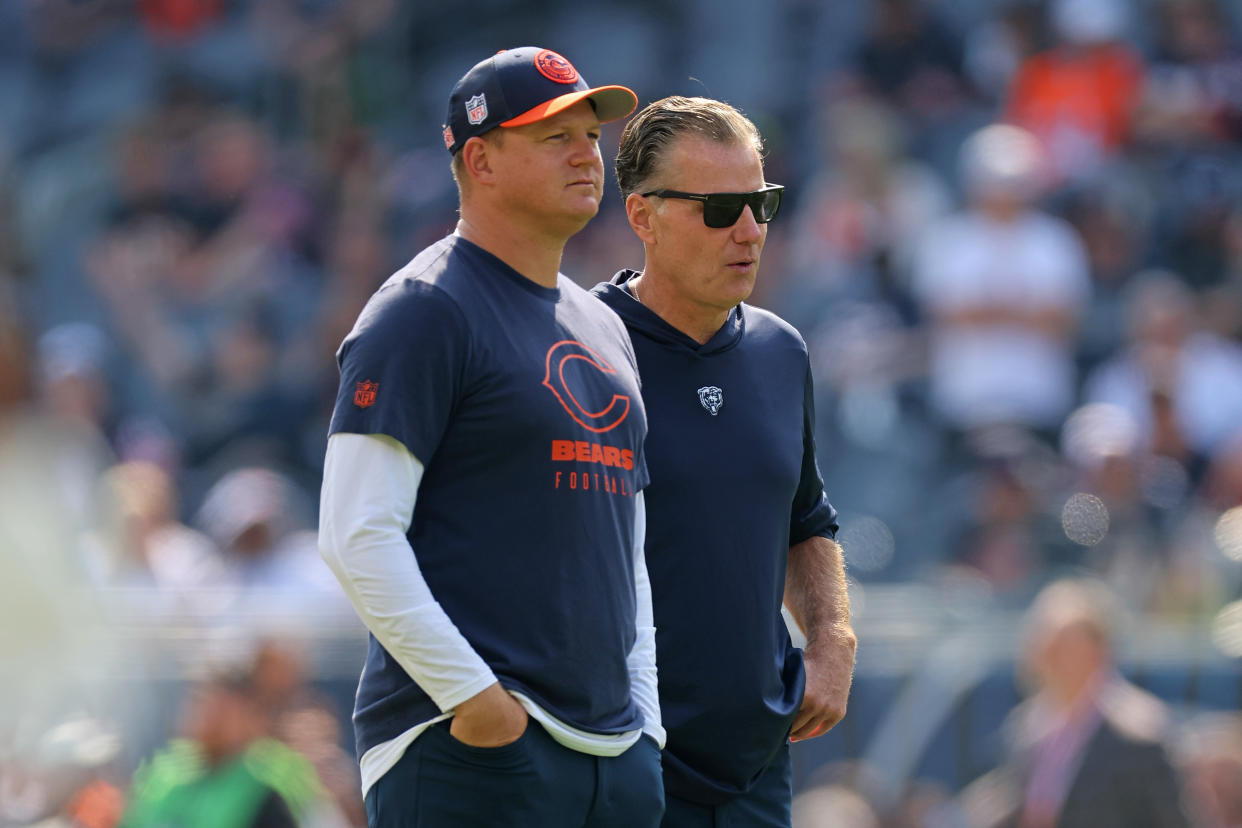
(737, 517)
(481, 500)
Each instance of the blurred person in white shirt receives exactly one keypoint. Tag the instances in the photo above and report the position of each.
(1181, 384)
(1003, 286)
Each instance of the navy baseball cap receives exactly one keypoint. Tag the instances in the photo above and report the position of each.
(521, 86)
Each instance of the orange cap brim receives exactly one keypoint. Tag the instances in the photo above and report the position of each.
(611, 104)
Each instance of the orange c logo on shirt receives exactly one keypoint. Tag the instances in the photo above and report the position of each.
(607, 418)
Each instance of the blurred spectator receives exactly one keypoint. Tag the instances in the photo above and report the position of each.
(71, 372)
(864, 210)
(244, 409)
(156, 551)
(224, 772)
(50, 466)
(998, 44)
(1192, 94)
(1222, 487)
(1003, 286)
(59, 652)
(1008, 533)
(1128, 513)
(1114, 220)
(833, 806)
(1181, 385)
(357, 252)
(308, 723)
(331, 69)
(1199, 196)
(205, 276)
(65, 779)
(251, 514)
(913, 60)
(257, 518)
(1210, 756)
(1078, 97)
(1087, 747)
(70, 43)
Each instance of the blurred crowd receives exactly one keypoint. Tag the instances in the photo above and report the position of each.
(1036, 317)
(252, 743)
(1086, 747)
(1012, 239)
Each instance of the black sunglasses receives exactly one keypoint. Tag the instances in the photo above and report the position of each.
(724, 209)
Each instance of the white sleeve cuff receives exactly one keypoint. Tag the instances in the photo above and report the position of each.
(642, 658)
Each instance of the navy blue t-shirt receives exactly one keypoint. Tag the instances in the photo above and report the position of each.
(522, 402)
(734, 483)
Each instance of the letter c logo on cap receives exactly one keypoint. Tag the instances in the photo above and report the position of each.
(554, 67)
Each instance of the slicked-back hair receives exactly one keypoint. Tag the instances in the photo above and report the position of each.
(649, 134)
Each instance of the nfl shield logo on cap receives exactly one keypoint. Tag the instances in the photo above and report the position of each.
(476, 109)
(515, 87)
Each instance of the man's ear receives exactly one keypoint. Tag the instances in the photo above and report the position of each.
(641, 213)
(476, 158)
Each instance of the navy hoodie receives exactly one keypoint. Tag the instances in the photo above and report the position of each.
(734, 483)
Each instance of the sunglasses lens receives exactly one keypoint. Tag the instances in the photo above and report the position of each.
(769, 202)
(722, 210)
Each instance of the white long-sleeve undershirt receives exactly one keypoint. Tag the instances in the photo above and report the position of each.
(370, 485)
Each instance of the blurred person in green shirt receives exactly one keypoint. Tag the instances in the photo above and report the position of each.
(224, 771)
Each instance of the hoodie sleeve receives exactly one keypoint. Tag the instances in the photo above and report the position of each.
(812, 513)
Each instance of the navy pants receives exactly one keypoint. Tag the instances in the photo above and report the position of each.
(534, 782)
(766, 805)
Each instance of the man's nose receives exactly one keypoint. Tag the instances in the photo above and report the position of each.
(746, 230)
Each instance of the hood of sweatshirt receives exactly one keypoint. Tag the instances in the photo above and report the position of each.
(641, 320)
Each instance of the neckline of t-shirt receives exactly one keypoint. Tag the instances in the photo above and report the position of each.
(499, 266)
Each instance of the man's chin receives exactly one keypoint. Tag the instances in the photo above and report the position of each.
(587, 205)
(742, 285)
(578, 218)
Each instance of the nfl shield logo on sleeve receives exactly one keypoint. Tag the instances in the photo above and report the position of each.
(364, 393)
(476, 109)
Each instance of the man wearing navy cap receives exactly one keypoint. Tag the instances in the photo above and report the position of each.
(482, 494)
